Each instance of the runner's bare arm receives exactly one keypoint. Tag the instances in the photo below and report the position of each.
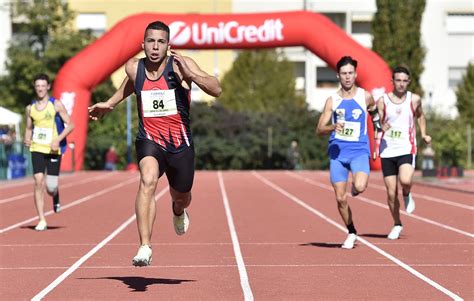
(381, 110)
(191, 72)
(369, 101)
(101, 108)
(131, 67)
(421, 118)
(323, 128)
(29, 127)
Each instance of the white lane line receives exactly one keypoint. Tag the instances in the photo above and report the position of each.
(83, 259)
(77, 202)
(73, 184)
(365, 242)
(375, 203)
(368, 265)
(426, 197)
(244, 280)
(429, 198)
(29, 181)
(296, 243)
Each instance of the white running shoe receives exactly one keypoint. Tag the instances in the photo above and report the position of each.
(409, 203)
(350, 241)
(181, 222)
(395, 233)
(42, 225)
(143, 257)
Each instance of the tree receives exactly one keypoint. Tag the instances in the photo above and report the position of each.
(225, 139)
(465, 96)
(449, 140)
(397, 36)
(260, 81)
(45, 41)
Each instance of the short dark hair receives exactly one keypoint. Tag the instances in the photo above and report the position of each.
(158, 25)
(41, 76)
(346, 60)
(400, 69)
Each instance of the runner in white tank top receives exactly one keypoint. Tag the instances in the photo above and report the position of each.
(398, 111)
(400, 138)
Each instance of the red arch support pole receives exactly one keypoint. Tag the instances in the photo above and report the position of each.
(78, 77)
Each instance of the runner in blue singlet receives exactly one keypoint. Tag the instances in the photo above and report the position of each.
(345, 119)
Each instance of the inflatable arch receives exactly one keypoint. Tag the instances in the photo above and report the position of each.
(317, 33)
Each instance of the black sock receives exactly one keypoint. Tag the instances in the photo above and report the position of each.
(56, 198)
(400, 224)
(352, 229)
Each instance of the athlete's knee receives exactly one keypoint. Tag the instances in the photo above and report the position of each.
(51, 184)
(392, 195)
(148, 181)
(341, 201)
(405, 181)
(360, 186)
(183, 199)
(39, 180)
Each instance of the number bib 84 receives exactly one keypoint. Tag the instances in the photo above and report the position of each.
(159, 103)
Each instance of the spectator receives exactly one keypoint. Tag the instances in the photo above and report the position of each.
(111, 159)
(293, 156)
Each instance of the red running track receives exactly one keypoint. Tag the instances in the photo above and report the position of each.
(253, 235)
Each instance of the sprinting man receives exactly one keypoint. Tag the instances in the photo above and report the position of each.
(45, 136)
(398, 111)
(164, 143)
(345, 119)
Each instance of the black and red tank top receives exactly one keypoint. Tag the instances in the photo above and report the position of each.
(163, 109)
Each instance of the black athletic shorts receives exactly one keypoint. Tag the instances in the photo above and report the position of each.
(179, 167)
(390, 166)
(49, 162)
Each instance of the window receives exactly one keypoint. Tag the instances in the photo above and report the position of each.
(460, 23)
(362, 22)
(326, 78)
(338, 18)
(455, 75)
(299, 75)
(361, 27)
(96, 22)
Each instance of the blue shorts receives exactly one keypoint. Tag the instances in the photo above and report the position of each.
(339, 168)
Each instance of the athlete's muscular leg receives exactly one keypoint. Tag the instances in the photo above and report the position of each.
(145, 206)
(342, 205)
(181, 200)
(360, 180)
(39, 195)
(392, 197)
(405, 175)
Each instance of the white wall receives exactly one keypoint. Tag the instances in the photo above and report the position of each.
(443, 50)
(5, 32)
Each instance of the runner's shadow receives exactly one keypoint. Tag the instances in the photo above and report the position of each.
(140, 284)
(322, 245)
(49, 227)
(374, 235)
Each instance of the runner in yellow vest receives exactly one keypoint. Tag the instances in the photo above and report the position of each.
(45, 135)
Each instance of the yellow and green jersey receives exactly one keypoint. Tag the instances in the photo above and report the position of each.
(44, 128)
